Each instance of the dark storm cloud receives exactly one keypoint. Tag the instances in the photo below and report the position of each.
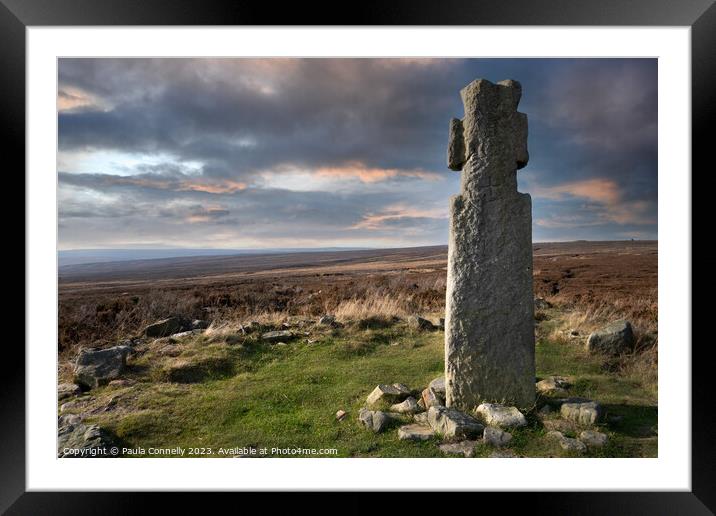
(344, 150)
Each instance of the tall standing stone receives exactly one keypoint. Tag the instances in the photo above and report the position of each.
(489, 323)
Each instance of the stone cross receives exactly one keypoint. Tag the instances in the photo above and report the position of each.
(489, 321)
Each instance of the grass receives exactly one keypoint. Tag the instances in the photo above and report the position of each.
(245, 393)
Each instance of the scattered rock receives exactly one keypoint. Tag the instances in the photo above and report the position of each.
(544, 411)
(120, 383)
(199, 324)
(561, 425)
(67, 390)
(409, 406)
(421, 417)
(453, 424)
(501, 416)
(438, 385)
(341, 415)
(415, 432)
(277, 336)
(593, 439)
(430, 398)
(388, 393)
(75, 439)
(556, 385)
(464, 448)
(167, 327)
(572, 445)
(327, 320)
(420, 323)
(585, 413)
(377, 421)
(95, 367)
(613, 339)
(496, 437)
(541, 303)
(554, 435)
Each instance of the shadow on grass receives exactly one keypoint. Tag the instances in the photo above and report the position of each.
(635, 420)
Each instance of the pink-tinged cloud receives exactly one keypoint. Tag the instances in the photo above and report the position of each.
(372, 175)
(397, 213)
(599, 190)
(69, 99)
(214, 186)
(607, 201)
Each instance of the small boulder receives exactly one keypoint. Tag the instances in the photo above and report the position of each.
(377, 421)
(501, 416)
(388, 394)
(95, 367)
(430, 398)
(277, 336)
(593, 439)
(421, 418)
(327, 320)
(415, 432)
(438, 385)
(75, 439)
(496, 437)
(584, 413)
(453, 424)
(420, 323)
(560, 425)
(613, 339)
(67, 390)
(554, 385)
(554, 435)
(572, 445)
(408, 406)
(341, 415)
(167, 327)
(199, 324)
(465, 448)
(541, 303)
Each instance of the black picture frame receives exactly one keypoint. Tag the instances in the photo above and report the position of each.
(17, 15)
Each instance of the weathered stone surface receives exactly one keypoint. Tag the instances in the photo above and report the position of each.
(489, 323)
(553, 385)
(420, 323)
(593, 439)
(75, 439)
(453, 424)
(327, 320)
(612, 339)
(432, 399)
(341, 415)
(496, 437)
(438, 385)
(541, 303)
(554, 435)
(464, 448)
(587, 413)
(375, 420)
(167, 327)
(67, 390)
(421, 418)
(561, 425)
(572, 445)
(199, 324)
(415, 432)
(501, 416)
(95, 367)
(277, 336)
(408, 406)
(388, 393)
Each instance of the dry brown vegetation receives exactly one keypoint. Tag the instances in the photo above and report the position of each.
(592, 282)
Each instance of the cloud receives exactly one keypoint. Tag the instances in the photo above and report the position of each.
(256, 152)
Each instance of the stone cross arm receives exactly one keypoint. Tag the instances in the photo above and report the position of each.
(488, 107)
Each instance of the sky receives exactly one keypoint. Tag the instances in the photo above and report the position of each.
(277, 153)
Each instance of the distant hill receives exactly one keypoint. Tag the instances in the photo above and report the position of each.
(82, 256)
